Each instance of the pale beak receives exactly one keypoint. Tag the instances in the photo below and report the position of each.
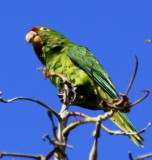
(32, 37)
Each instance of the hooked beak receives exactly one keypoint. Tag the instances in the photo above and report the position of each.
(33, 37)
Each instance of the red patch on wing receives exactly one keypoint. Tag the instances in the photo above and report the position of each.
(55, 42)
(34, 29)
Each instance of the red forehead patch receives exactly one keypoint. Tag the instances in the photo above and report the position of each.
(34, 29)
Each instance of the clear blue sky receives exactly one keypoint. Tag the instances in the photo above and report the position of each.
(113, 30)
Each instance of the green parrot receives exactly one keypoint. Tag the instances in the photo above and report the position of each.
(80, 67)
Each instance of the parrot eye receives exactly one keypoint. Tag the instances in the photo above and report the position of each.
(44, 29)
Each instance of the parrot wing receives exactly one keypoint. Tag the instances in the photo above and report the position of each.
(87, 62)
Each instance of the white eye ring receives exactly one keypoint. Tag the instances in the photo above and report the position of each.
(44, 29)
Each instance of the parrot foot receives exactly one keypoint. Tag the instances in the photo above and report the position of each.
(46, 73)
(70, 92)
(123, 104)
(68, 95)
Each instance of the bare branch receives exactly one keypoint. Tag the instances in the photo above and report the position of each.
(39, 157)
(56, 142)
(77, 114)
(54, 128)
(61, 155)
(51, 153)
(93, 153)
(114, 132)
(142, 98)
(71, 126)
(133, 77)
(54, 151)
(130, 156)
(143, 157)
(96, 134)
(33, 100)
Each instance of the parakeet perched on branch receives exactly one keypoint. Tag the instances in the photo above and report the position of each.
(82, 69)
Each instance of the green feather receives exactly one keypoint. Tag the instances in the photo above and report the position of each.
(83, 58)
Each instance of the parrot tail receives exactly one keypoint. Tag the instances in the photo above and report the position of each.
(123, 123)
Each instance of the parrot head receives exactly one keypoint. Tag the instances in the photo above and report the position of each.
(45, 40)
(37, 35)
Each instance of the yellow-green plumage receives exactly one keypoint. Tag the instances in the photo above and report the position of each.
(81, 68)
(61, 63)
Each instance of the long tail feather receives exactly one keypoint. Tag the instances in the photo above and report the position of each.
(123, 123)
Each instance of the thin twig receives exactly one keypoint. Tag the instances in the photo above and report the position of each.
(55, 142)
(71, 126)
(51, 153)
(54, 128)
(56, 150)
(39, 157)
(142, 98)
(130, 156)
(77, 114)
(47, 137)
(94, 151)
(114, 132)
(143, 157)
(133, 77)
(33, 100)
